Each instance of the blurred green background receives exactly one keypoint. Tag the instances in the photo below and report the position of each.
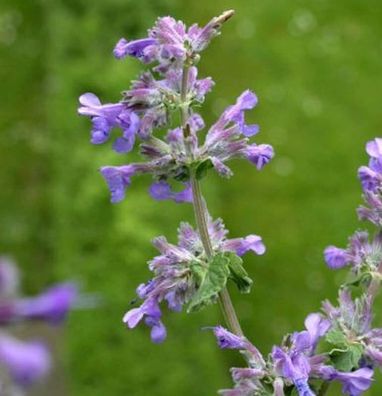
(316, 67)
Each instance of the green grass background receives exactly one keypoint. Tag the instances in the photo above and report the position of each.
(316, 67)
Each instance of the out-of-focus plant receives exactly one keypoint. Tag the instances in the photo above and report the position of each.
(194, 272)
(23, 363)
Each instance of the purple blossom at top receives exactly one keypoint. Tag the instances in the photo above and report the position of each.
(170, 43)
(150, 102)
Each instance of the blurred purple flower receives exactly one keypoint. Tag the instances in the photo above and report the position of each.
(27, 362)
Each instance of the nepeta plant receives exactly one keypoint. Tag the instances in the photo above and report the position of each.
(194, 272)
(27, 361)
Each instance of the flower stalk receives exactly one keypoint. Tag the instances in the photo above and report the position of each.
(225, 301)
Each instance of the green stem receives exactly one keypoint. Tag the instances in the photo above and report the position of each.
(200, 211)
(201, 221)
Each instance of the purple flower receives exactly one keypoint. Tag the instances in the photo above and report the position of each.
(27, 362)
(52, 305)
(370, 180)
(243, 245)
(228, 340)
(373, 213)
(259, 155)
(374, 149)
(118, 179)
(355, 316)
(162, 191)
(158, 330)
(228, 138)
(317, 326)
(151, 312)
(134, 48)
(105, 117)
(296, 360)
(336, 258)
(356, 382)
(292, 365)
(235, 114)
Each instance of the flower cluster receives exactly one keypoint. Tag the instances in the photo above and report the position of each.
(28, 361)
(172, 85)
(182, 272)
(355, 347)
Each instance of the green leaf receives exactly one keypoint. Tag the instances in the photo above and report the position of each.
(213, 280)
(202, 168)
(238, 274)
(363, 279)
(347, 360)
(337, 338)
(183, 174)
(198, 272)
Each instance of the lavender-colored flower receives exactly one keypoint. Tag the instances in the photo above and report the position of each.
(234, 115)
(118, 180)
(259, 155)
(374, 149)
(26, 362)
(135, 48)
(151, 312)
(336, 258)
(52, 305)
(170, 43)
(295, 359)
(106, 117)
(228, 340)
(243, 245)
(370, 180)
(352, 317)
(372, 212)
(354, 383)
(360, 253)
(227, 138)
(162, 191)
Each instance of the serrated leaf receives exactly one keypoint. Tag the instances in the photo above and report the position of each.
(347, 360)
(213, 281)
(238, 274)
(337, 338)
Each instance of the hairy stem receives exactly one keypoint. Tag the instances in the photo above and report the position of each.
(200, 211)
(201, 221)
